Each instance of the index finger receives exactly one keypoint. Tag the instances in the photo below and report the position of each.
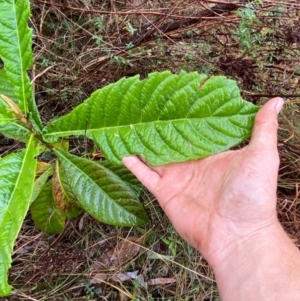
(148, 177)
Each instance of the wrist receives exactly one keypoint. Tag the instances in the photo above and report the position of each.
(252, 268)
(253, 243)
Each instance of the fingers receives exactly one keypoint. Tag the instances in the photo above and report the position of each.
(144, 173)
(158, 169)
(264, 135)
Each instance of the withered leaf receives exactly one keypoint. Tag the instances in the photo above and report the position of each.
(41, 168)
(124, 251)
(61, 199)
(159, 281)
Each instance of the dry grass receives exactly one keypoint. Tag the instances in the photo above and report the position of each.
(82, 45)
(50, 268)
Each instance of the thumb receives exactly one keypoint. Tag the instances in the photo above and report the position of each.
(264, 135)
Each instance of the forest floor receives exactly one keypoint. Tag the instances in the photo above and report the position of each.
(83, 45)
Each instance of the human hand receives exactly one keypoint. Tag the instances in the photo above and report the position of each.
(223, 200)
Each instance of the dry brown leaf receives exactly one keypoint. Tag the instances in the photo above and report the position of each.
(98, 278)
(159, 281)
(59, 196)
(81, 221)
(124, 251)
(121, 277)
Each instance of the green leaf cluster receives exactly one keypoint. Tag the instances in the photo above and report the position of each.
(165, 118)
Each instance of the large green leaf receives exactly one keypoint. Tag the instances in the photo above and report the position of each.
(44, 212)
(7, 89)
(166, 118)
(17, 173)
(100, 192)
(16, 53)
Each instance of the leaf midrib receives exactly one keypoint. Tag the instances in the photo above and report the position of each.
(20, 173)
(91, 130)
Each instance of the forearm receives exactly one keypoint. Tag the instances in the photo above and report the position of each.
(263, 267)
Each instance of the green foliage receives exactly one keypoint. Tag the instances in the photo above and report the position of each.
(15, 130)
(124, 174)
(7, 89)
(16, 53)
(8, 125)
(44, 212)
(17, 172)
(249, 32)
(165, 118)
(130, 28)
(100, 192)
(245, 33)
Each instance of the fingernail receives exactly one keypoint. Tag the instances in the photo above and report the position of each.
(279, 104)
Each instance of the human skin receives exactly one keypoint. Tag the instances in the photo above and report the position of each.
(225, 206)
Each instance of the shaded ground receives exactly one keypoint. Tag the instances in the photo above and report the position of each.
(81, 45)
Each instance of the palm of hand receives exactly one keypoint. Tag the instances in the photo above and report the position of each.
(215, 201)
(224, 198)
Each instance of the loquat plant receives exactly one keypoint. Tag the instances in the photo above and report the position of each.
(165, 118)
